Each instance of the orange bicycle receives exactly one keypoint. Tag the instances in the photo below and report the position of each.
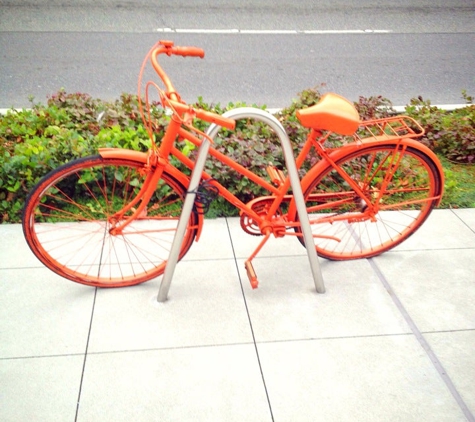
(109, 220)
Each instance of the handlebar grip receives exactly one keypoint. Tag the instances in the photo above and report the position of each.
(188, 51)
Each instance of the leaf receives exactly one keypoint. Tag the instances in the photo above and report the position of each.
(15, 187)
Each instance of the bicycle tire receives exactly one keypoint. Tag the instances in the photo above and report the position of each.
(405, 204)
(67, 221)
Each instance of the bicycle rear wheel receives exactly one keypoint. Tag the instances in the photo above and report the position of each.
(68, 217)
(341, 228)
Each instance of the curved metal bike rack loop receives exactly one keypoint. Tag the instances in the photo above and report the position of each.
(269, 119)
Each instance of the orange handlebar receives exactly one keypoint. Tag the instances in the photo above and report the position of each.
(167, 47)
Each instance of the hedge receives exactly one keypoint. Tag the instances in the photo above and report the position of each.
(33, 141)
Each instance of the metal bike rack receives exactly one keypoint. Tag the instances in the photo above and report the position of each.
(269, 119)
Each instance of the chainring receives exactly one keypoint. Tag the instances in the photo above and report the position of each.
(261, 207)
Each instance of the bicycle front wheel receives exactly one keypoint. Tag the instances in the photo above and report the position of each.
(402, 184)
(68, 222)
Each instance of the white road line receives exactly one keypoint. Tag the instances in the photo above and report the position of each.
(272, 31)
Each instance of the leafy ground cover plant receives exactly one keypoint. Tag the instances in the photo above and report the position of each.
(449, 133)
(71, 125)
(37, 140)
(459, 185)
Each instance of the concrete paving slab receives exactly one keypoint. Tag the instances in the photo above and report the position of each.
(467, 215)
(14, 251)
(436, 287)
(455, 352)
(244, 244)
(286, 306)
(349, 354)
(205, 307)
(192, 384)
(40, 389)
(214, 242)
(42, 313)
(442, 230)
(384, 378)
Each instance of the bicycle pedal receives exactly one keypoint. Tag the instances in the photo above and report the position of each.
(251, 274)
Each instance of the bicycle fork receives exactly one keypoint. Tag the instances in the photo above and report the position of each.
(153, 168)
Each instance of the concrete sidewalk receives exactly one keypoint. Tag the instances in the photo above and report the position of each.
(392, 339)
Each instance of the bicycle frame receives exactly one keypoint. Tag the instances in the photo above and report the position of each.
(344, 191)
(158, 162)
(276, 194)
(270, 221)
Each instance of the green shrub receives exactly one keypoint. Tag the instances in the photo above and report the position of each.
(449, 133)
(69, 126)
(72, 125)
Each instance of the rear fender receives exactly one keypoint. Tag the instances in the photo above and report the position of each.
(346, 149)
(142, 157)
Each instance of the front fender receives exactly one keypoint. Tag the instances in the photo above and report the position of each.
(142, 157)
(124, 154)
(368, 142)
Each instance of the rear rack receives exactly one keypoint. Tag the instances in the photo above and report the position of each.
(389, 128)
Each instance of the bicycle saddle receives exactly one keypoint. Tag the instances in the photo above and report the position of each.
(333, 113)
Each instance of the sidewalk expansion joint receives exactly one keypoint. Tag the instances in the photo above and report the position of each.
(250, 323)
(423, 342)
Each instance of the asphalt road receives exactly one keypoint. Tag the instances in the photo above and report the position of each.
(262, 52)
